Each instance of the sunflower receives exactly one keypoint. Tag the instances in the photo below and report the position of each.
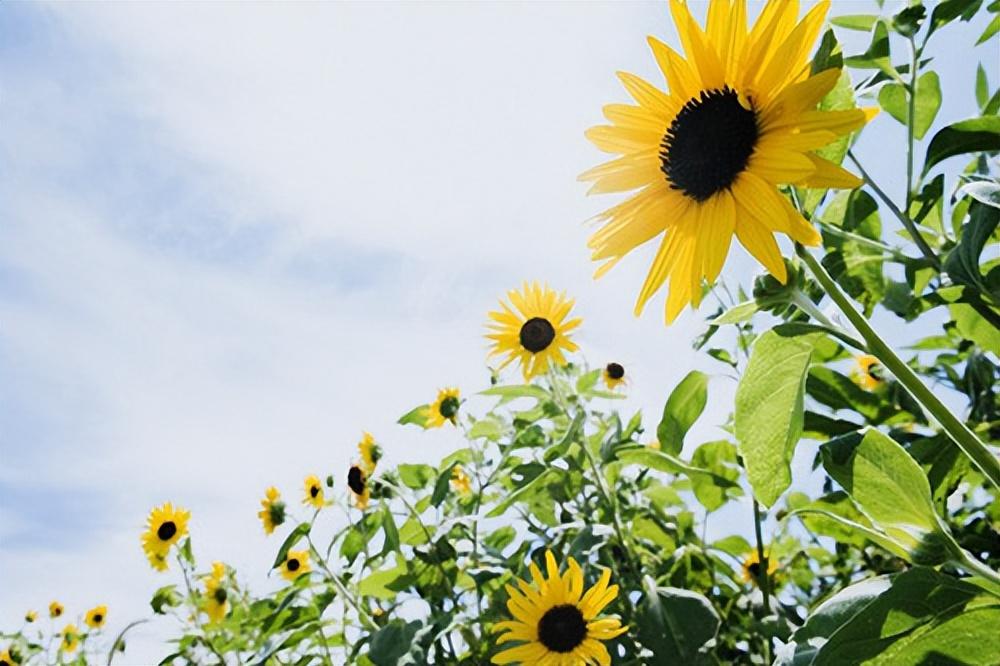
(216, 603)
(314, 491)
(370, 453)
(30, 616)
(296, 563)
(444, 409)
(751, 567)
(614, 375)
(357, 481)
(739, 120)
(70, 638)
(460, 481)
(869, 372)
(536, 334)
(273, 512)
(7, 659)
(556, 621)
(96, 617)
(55, 609)
(165, 526)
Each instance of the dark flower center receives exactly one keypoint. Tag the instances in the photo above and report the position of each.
(98, 618)
(875, 371)
(615, 371)
(313, 491)
(537, 334)
(562, 628)
(56, 612)
(166, 531)
(293, 564)
(220, 595)
(449, 407)
(356, 480)
(708, 144)
(754, 569)
(277, 513)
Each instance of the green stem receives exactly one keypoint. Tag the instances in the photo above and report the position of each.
(910, 122)
(363, 615)
(977, 568)
(960, 433)
(834, 230)
(762, 577)
(804, 303)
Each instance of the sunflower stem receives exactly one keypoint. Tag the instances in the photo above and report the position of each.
(763, 580)
(363, 615)
(976, 568)
(959, 433)
(804, 303)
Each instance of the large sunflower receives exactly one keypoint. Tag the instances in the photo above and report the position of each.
(165, 526)
(216, 603)
(96, 617)
(556, 620)
(444, 409)
(537, 333)
(313, 492)
(739, 120)
(272, 512)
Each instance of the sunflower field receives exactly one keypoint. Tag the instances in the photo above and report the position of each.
(566, 532)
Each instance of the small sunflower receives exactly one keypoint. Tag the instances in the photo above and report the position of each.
(537, 334)
(55, 609)
(707, 157)
(751, 567)
(165, 526)
(614, 375)
(870, 374)
(357, 481)
(314, 491)
(70, 638)
(31, 616)
(296, 563)
(370, 453)
(273, 512)
(444, 409)
(96, 617)
(460, 481)
(7, 659)
(216, 603)
(556, 620)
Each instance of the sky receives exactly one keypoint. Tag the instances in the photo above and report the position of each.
(234, 236)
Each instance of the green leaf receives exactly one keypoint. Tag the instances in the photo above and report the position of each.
(646, 456)
(683, 407)
(380, 584)
(972, 326)
(907, 22)
(488, 428)
(828, 54)
(992, 29)
(856, 266)
(892, 99)
(442, 484)
(769, 406)
(392, 642)
(877, 55)
(891, 490)
(293, 538)
(416, 416)
(736, 314)
(986, 192)
(391, 534)
(927, 104)
(982, 86)
(962, 262)
(415, 476)
(966, 136)
(720, 459)
(165, 597)
(508, 393)
(523, 493)
(924, 617)
(949, 10)
(862, 22)
(674, 624)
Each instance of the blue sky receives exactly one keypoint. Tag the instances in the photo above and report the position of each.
(234, 236)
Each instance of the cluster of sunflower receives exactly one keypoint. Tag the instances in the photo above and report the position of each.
(562, 534)
(61, 644)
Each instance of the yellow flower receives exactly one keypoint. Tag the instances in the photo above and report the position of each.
(296, 563)
(460, 481)
(614, 375)
(314, 491)
(537, 333)
(739, 120)
(556, 621)
(751, 567)
(165, 526)
(370, 453)
(216, 603)
(869, 374)
(70, 638)
(7, 659)
(96, 617)
(444, 409)
(55, 609)
(273, 512)
(357, 481)
(31, 616)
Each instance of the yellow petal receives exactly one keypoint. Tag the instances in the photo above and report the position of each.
(759, 242)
